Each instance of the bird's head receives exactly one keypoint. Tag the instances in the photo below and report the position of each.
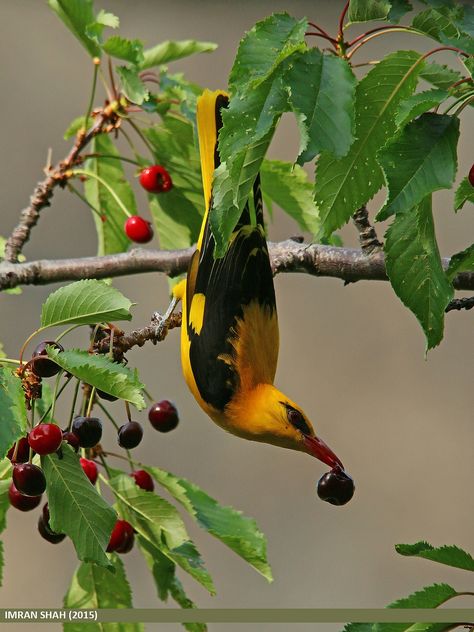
(266, 414)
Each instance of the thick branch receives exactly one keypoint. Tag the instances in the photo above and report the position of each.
(347, 264)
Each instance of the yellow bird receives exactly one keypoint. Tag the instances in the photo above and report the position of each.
(229, 332)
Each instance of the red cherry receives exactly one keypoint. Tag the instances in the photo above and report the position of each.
(138, 229)
(163, 416)
(29, 479)
(90, 469)
(121, 538)
(40, 363)
(45, 438)
(156, 179)
(470, 177)
(143, 480)
(23, 452)
(130, 435)
(20, 501)
(72, 439)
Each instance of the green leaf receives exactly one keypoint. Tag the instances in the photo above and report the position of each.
(464, 193)
(288, 186)
(321, 89)
(439, 75)
(95, 587)
(159, 523)
(177, 214)
(2, 352)
(77, 124)
(442, 24)
(103, 19)
(108, 216)
(163, 571)
(419, 103)
(421, 160)
(176, 87)
(238, 532)
(450, 554)
(77, 16)
(76, 508)
(264, 48)
(123, 48)
(366, 10)
(344, 184)
(99, 371)
(415, 270)
(132, 86)
(168, 51)
(12, 405)
(85, 302)
(398, 10)
(5, 469)
(4, 504)
(461, 262)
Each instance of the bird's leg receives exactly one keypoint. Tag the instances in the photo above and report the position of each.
(160, 321)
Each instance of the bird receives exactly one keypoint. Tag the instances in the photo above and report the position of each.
(229, 330)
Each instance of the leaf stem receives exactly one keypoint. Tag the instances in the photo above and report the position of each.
(341, 21)
(383, 31)
(326, 37)
(90, 174)
(66, 331)
(111, 76)
(133, 162)
(104, 463)
(9, 361)
(96, 62)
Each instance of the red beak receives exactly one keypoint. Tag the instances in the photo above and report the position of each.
(316, 447)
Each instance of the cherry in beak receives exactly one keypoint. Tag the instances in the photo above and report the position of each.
(317, 448)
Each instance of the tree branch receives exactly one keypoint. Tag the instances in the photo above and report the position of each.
(347, 264)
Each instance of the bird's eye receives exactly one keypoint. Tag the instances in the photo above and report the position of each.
(297, 420)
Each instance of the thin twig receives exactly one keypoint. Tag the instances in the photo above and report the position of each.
(460, 303)
(367, 236)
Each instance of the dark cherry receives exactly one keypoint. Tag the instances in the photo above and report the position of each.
(45, 438)
(336, 487)
(29, 479)
(23, 452)
(138, 229)
(121, 538)
(155, 179)
(130, 435)
(40, 363)
(470, 177)
(107, 396)
(90, 469)
(143, 480)
(72, 439)
(163, 416)
(88, 430)
(45, 530)
(20, 501)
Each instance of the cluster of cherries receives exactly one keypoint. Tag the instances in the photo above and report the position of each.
(28, 480)
(154, 179)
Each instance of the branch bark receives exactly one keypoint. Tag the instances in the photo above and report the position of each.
(347, 264)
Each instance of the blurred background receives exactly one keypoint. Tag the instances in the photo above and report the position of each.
(352, 357)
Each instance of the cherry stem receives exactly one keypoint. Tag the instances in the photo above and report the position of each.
(461, 81)
(104, 463)
(127, 408)
(32, 421)
(91, 402)
(92, 97)
(90, 174)
(111, 75)
(84, 199)
(9, 361)
(66, 331)
(133, 162)
(22, 350)
(142, 136)
(55, 393)
(468, 100)
(116, 426)
(341, 20)
(73, 406)
(46, 413)
(148, 396)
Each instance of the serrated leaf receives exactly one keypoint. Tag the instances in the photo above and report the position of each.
(76, 508)
(461, 262)
(415, 270)
(132, 86)
(449, 554)
(13, 410)
(238, 532)
(77, 124)
(99, 371)
(421, 160)
(168, 51)
(123, 48)
(366, 10)
(103, 19)
(321, 89)
(464, 193)
(264, 48)
(166, 582)
(442, 24)
(439, 75)
(398, 9)
(288, 186)
(77, 16)
(419, 103)
(95, 587)
(85, 302)
(159, 523)
(345, 184)
(177, 214)
(108, 216)
(176, 87)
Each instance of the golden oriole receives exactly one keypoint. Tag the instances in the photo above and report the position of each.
(229, 332)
